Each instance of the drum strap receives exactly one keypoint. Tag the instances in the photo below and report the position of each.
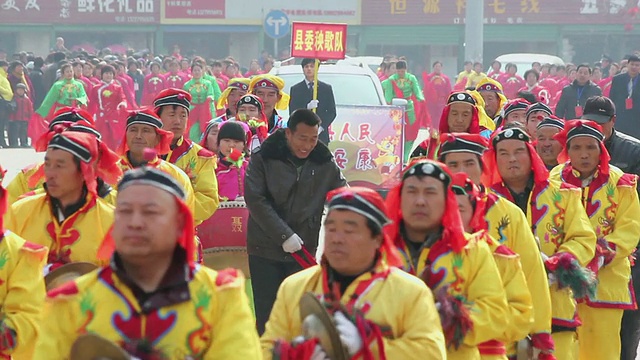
(306, 260)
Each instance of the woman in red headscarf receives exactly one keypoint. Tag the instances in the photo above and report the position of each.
(611, 202)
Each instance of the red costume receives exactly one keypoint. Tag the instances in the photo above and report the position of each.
(153, 84)
(107, 101)
(541, 93)
(175, 81)
(127, 87)
(437, 88)
(511, 84)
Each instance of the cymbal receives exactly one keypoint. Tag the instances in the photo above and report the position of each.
(318, 323)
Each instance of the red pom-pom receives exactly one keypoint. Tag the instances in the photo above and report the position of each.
(181, 96)
(149, 154)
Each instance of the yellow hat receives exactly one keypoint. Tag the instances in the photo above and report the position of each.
(235, 83)
(488, 84)
(271, 82)
(484, 119)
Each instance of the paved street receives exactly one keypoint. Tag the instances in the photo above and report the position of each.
(12, 160)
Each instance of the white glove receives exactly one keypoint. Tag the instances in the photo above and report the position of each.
(552, 279)
(313, 104)
(319, 354)
(348, 333)
(292, 244)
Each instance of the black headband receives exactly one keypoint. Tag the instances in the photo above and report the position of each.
(85, 129)
(144, 119)
(356, 203)
(461, 145)
(154, 177)
(428, 169)
(584, 130)
(462, 97)
(551, 122)
(251, 100)
(539, 107)
(511, 134)
(175, 100)
(61, 142)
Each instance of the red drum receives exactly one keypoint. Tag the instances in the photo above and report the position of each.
(224, 237)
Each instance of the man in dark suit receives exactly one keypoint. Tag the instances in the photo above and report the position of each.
(302, 98)
(625, 93)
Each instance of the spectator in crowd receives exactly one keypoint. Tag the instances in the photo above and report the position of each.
(6, 95)
(574, 96)
(625, 94)
(324, 104)
(37, 80)
(20, 117)
(138, 79)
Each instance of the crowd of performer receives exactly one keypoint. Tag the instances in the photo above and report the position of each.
(509, 231)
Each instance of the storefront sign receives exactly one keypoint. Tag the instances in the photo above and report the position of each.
(318, 40)
(253, 12)
(80, 11)
(418, 12)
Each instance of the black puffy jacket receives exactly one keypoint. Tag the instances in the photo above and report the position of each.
(282, 202)
(625, 152)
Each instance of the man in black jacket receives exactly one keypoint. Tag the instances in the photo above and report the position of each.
(625, 154)
(286, 183)
(574, 96)
(625, 94)
(302, 98)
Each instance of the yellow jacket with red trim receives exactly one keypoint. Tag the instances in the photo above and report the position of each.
(214, 324)
(22, 292)
(400, 301)
(199, 164)
(517, 293)
(508, 225)
(613, 207)
(472, 274)
(76, 239)
(559, 223)
(20, 184)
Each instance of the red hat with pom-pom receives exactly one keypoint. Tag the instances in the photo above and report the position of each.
(173, 97)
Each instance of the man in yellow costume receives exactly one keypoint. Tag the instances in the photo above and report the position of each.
(152, 300)
(172, 106)
(69, 218)
(428, 232)
(22, 291)
(505, 222)
(236, 89)
(144, 140)
(381, 312)
(611, 201)
(471, 204)
(20, 183)
(557, 220)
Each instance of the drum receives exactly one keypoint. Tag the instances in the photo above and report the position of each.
(224, 237)
(95, 347)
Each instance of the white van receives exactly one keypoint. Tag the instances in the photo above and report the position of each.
(524, 60)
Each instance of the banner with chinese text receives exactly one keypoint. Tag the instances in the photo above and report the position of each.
(80, 11)
(318, 40)
(194, 9)
(368, 147)
(252, 12)
(442, 12)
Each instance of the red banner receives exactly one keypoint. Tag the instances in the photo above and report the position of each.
(318, 40)
(194, 9)
(80, 11)
(431, 12)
